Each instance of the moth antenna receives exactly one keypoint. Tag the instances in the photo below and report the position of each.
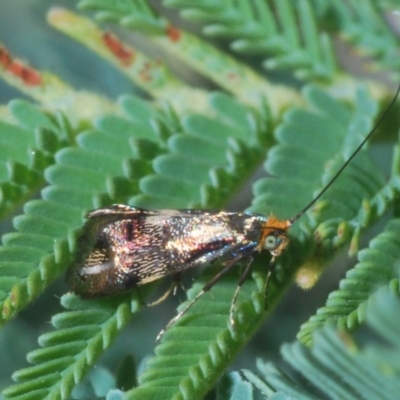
(309, 205)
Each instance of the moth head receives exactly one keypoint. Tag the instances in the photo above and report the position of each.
(274, 235)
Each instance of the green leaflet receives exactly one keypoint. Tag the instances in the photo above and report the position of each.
(99, 384)
(194, 352)
(338, 367)
(313, 144)
(27, 147)
(134, 14)
(83, 332)
(347, 305)
(234, 387)
(207, 153)
(285, 32)
(292, 33)
(364, 27)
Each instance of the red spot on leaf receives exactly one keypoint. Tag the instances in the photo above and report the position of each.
(28, 75)
(5, 58)
(232, 76)
(174, 33)
(122, 52)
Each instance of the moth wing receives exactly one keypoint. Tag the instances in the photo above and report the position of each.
(119, 210)
(123, 247)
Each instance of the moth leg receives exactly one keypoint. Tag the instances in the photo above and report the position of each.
(178, 279)
(206, 287)
(238, 287)
(271, 268)
(171, 289)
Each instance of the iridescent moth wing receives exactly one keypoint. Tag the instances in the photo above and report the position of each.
(123, 247)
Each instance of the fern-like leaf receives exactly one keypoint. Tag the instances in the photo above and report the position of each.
(225, 71)
(287, 33)
(94, 173)
(26, 258)
(82, 333)
(27, 148)
(364, 26)
(205, 156)
(196, 377)
(168, 156)
(299, 181)
(346, 305)
(337, 367)
(301, 132)
(203, 342)
(136, 14)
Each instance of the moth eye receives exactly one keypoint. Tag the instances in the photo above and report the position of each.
(271, 242)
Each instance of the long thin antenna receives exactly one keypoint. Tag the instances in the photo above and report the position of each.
(306, 208)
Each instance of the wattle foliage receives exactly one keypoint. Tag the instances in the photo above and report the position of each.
(75, 151)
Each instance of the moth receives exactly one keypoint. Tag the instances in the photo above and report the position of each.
(127, 247)
(131, 246)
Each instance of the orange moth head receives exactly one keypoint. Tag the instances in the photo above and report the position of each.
(274, 235)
